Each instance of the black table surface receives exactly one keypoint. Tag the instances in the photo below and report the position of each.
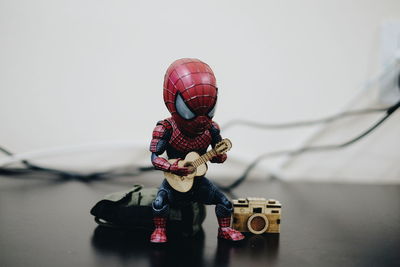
(46, 222)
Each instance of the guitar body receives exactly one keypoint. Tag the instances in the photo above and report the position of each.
(185, 183)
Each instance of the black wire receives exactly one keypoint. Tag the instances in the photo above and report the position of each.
(5, 151)
(65, 175)
(242, 178)
(9, 153)
(277, 126)
(30, 167)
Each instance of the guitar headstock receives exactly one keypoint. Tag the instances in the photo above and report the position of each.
(224, 146)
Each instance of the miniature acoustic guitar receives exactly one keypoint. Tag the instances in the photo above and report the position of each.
(185, 183)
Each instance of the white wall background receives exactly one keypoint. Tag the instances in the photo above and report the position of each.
(81, 72)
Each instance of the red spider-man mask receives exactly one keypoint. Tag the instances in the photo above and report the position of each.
(190, 94)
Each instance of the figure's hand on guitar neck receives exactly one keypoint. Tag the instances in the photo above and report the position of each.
(219, 158)
(181, 171)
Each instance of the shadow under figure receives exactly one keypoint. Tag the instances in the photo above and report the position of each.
(118, 242)
(190, 94)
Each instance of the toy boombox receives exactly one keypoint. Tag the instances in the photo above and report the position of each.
(256, 215)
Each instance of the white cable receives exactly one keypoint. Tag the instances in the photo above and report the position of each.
(128, 144)
(57, 151)
(368, 85)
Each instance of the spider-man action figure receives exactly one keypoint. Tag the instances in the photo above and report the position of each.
(190, 94)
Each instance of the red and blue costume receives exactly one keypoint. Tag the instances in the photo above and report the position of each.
(190, 94)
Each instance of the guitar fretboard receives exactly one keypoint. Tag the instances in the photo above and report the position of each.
(203, 159)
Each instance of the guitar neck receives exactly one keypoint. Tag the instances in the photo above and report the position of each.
(204, 158)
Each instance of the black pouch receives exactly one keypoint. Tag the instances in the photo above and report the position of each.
(132, 209)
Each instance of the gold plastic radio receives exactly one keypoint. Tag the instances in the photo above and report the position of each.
(256, 215)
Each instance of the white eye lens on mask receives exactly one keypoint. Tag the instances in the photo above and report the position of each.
(211, 113)
(182, 109)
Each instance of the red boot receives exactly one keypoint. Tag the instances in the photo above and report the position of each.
(159, 234)
(226, 232)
